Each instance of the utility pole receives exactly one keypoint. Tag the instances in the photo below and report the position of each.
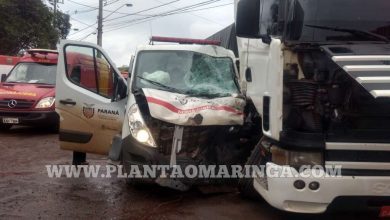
(54, 12)
(54, 3)
(100, 24)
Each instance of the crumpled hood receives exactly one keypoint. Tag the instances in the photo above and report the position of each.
(181, 109)
(25, 91)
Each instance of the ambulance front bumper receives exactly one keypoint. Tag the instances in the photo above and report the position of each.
(44, 118)
(281, 193)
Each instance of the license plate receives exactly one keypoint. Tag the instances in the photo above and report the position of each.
(11, 120)
(385, 212)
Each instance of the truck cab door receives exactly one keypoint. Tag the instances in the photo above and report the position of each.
(90, 98)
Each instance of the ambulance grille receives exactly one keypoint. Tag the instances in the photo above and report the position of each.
(194, 137)
(20, 104)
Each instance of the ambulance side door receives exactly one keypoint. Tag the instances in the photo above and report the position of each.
(90, 98)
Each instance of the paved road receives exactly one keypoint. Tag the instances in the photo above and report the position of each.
(27, 192)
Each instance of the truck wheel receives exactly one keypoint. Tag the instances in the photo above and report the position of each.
(245, 185)
(5, 127)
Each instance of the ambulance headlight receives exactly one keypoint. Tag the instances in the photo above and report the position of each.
(46, 102)
(138, 128)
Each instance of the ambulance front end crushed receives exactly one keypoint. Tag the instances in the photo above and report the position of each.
(185, 112)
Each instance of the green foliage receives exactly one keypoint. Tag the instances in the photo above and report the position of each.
(29, 24)
(63, 25)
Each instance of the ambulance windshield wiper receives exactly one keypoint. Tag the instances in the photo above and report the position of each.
(356, 32)
(207, 94)
(171, 89)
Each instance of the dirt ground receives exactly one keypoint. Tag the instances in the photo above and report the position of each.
(27, 192)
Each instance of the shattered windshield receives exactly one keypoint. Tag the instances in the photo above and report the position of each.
(33, 73)
(186, 72)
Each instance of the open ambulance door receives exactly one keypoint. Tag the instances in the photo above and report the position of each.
(90, 98)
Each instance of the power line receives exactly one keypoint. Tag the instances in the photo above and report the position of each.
(110, 3)
(158, 6)
(85, 37)
(217, 6)
(175, 10)
(195, 15)
(152, 17)
(143, 20)
(83, 11)
(89, 26)
(82, 22)
(146, 18)
(185, 9)
(88, 6)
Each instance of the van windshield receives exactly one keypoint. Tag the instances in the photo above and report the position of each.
(186, 72)
(35, 73)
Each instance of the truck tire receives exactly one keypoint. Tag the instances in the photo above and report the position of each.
(5, 127)
(245, 185)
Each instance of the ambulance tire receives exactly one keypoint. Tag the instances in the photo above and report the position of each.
(55, 128)
(245, 185)
(135, 182)
(138, 182)
(5, 127)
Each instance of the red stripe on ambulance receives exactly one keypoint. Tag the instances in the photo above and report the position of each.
(187, 111)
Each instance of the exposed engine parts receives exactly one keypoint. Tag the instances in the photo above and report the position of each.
(203, 145)
(321, 97)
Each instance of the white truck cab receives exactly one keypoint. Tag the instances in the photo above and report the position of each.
(317, 72)
(182, 105)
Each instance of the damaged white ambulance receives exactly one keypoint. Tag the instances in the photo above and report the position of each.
(181, 105)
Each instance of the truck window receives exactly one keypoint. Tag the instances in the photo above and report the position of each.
(89, 69)
(340, 21)
(269, 16)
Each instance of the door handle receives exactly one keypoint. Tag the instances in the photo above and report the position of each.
(68, 102)
(248, 74)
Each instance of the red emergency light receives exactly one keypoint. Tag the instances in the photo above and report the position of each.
(43, 54)
(184, 40)
(8, 60)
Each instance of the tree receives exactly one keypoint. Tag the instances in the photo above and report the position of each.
(28, 24)
(63, 25)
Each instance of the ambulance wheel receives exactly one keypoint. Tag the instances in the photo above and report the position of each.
(136, 182)
(245, 185)
(55, 128)
(5, 127)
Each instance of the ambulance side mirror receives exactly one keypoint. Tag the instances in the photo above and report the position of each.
(3, 77)
(131, 66)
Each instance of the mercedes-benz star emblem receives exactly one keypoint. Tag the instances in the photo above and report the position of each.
(12, 103)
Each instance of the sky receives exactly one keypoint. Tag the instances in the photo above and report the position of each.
(122, 32)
